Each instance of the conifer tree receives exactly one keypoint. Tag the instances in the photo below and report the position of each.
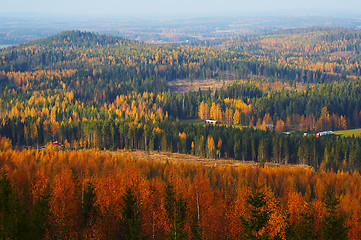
(258, 217)
(131, 217)
(39, 216)
(303, 228)
(89, 210)
(176, 211)
(13, 224)
(333, 222)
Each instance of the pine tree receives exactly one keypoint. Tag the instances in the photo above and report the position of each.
(333, 222)
(131, 217)
(262, 152)
(13, 224)
(303, 228)
(176, 211)
(258, 217)
(197, 230)
(39, 216)
(88, 204)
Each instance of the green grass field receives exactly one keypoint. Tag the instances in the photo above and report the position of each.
(349, 133)
(192, 121)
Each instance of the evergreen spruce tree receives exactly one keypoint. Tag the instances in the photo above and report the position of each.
(131, 217)
(13, 224)
(258, 218)
(262, 152)
(39, 216)
(176, 211)
(89, 210)
(303, 229)
(333, 222)
(197, 230)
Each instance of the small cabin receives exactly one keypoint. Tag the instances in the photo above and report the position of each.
(211, 121)
(325, 133)
(56, 143)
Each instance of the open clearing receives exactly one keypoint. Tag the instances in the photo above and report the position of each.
(180, 158)
(349, 133)
(186, 158)
(266, 84)
(186, 85)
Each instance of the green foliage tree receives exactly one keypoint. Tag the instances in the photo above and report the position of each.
(39, 216)
(176, 212)
(13, 222)
(303, 229)
(333, 222)
(89, 210)
(258, 217)
(131, 217)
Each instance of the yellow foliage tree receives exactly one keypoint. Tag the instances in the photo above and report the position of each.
(236, 117)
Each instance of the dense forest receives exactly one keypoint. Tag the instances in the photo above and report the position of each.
(90, 194)
(319, 50)
(71, 103)
(88, 90)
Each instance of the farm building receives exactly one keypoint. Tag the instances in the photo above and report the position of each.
(325, 133)
(56, 143)
(211, 121)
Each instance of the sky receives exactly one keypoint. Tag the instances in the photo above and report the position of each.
(168, 8)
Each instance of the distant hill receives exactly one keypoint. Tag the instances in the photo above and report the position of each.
(80, 39)
(50, 51)
(100, 60)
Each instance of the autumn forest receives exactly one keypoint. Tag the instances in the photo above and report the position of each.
(76, 108)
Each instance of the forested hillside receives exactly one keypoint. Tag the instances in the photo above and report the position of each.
(96, 59)
(74, 106)
(335, 51)
(88, 90)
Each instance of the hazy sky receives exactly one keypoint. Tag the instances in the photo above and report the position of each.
(139, 8)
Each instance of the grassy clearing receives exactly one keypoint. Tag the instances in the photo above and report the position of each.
(192, 121)
(186, 85)
(191, 159)
(349, 133)
(202, 122)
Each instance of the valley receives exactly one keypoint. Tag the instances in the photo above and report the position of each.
(154, 137)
